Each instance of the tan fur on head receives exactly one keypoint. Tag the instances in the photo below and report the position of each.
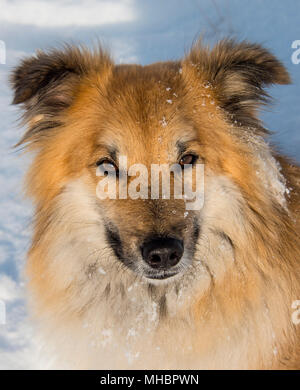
(230, 303)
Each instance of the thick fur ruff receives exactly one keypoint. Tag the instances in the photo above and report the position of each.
(230, 304)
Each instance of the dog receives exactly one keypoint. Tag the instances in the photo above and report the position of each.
(142, 282)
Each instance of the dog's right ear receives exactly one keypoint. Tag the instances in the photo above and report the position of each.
(46, 84)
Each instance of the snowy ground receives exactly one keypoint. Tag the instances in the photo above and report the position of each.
(136, 31)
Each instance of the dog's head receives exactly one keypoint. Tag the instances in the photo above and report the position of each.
(88, 118)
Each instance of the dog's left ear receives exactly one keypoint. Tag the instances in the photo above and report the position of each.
(238, 73)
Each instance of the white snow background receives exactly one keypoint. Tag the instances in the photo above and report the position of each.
(136, 31)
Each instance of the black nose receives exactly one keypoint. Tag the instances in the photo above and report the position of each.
(162, 253)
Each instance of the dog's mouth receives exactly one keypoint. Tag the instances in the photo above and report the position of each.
(160, 275)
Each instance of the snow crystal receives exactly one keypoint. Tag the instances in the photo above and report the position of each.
(101, 271)
(107, 337)
(131, 357)
(131, 333)
(163, 122)
(207, 85)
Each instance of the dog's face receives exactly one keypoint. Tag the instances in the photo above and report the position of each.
(86, 114)
(145, 119)
(154, 237)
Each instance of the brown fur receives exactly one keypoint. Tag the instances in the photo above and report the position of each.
(76, 103)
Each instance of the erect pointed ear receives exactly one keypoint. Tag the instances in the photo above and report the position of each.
(238, 72)
(46, 84)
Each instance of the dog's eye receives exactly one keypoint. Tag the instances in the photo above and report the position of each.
(107, 167)
(188, 159)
